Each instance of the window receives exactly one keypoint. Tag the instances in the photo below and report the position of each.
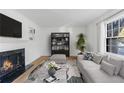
(115, 37)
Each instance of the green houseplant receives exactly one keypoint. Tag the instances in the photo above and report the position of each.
(81, 43)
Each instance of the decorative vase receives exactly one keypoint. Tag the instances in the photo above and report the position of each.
(51, 71)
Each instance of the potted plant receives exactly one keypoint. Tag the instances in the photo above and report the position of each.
(52, 67)
(80, 44)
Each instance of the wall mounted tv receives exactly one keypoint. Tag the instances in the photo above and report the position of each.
(10, 27)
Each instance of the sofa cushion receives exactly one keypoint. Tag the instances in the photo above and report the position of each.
(58, 58)
(92, 74)
(108, 68)
(121, 73)
(89, 64)
(117, 62)
(95, 75)
(97, 58)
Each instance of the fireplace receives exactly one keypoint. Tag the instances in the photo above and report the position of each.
(12, 64)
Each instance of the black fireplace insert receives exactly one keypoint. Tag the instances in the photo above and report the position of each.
(12, 64)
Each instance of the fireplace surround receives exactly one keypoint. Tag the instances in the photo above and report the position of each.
(12, 64)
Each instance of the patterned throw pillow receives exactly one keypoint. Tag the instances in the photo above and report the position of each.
(88, 56)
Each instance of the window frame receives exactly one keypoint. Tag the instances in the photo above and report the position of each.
(112, 37)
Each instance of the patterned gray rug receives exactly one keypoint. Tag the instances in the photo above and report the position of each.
(68, 74)
(74, 79)
(77, 77)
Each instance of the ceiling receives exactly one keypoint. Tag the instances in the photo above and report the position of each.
(62, 17)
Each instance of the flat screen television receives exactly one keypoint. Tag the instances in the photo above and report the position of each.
(10, 27)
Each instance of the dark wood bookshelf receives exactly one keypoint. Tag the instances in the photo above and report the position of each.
(60, 43)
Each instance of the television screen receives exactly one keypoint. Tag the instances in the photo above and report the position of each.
(10, 27)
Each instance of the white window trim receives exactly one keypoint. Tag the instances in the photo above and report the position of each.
(103, 31)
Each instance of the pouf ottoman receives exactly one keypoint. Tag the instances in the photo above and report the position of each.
(58, 58)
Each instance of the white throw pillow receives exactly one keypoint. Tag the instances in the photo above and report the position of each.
(108, 68)
(106, 58)
(97, 58)
(117, 62)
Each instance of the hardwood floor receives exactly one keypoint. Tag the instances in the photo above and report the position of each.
(72, 58)
(26, 74)
(35, 64)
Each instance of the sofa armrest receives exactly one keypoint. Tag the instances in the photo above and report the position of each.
(80, 57)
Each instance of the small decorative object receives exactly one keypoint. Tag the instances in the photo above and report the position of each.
(52, 67)
(31, 33)
(50, 79)
(51, 71)
(81, 43)
(66, 39)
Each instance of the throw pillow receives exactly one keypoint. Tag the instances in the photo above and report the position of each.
(117, 62)
(108, 68)
(121, 73)
(106, 58)
(88, 56)
(97, 58)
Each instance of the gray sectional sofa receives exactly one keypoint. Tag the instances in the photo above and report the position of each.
(103, 68)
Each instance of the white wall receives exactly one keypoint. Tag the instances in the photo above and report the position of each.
(33, 49)
(91, 34)
(74, 31)
(95, 37)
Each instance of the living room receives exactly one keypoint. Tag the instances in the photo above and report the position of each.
(36, 34)
(61, 46)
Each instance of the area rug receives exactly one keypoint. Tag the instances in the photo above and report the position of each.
(74, 73)
(75, 79)
(68, 74)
